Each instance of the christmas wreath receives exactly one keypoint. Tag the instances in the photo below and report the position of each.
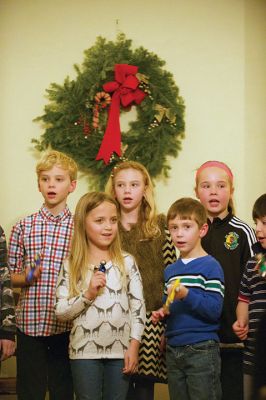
(82, 117)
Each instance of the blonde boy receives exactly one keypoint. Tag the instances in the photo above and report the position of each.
(42, 241)
(192, 352)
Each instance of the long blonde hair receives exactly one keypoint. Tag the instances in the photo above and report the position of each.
(148, 217)
(79, 250)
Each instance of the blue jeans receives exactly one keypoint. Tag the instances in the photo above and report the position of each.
(100, 379)
(194, 371)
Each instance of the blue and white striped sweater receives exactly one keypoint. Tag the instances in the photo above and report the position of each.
(195, 318)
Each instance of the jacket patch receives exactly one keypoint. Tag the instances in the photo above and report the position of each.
(231, 241)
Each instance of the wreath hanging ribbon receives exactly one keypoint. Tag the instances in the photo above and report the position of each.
(125, 91)
(72, 111)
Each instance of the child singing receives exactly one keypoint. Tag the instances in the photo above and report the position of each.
(107, 306)
(144, 234)
(230, 241)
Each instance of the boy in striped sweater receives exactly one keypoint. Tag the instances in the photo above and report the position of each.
(192, 321)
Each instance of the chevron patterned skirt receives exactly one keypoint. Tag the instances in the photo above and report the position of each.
(151, 360)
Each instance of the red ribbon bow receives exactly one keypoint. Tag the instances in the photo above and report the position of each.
(125, 91)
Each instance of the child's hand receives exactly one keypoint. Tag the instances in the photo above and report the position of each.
(157, 315)
(180, 292)
(7, 348)
(97, 282)
(131, 358)
(240, 329)
(32, 274)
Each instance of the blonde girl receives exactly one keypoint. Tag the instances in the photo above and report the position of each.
(107, 308)
(230, 241)
(143, 234)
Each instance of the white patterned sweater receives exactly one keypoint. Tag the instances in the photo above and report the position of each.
(103, 328)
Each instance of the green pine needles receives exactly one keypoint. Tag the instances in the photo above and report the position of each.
(69, 116)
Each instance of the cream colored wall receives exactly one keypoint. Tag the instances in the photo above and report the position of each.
(215, 49)
(255, 100)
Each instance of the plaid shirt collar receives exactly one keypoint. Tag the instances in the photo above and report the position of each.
(47, 215)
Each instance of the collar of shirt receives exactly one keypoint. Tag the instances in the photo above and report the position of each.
(218, 221)
(47, 215)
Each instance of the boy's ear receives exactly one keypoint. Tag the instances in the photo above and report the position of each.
(196, 192)
(204, 230)
(73, 186)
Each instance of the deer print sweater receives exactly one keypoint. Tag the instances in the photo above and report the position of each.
(102, 328)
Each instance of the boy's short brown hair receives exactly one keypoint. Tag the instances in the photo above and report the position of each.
(188, 208)
(54, 157)
(259, 208)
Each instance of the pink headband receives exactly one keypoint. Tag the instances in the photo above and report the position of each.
(217, 164)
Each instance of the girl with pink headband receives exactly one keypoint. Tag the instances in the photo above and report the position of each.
(217, 164)
(229, 240)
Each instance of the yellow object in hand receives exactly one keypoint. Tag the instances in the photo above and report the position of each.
(171, 295)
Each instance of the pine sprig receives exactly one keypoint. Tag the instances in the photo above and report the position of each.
(70, 108)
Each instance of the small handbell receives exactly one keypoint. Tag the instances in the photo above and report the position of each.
(261, 264)
(102, 266)
(171, 296)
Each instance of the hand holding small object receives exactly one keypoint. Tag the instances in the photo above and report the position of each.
(34, 271)
(261, 264)
(97, 282)
(102, 266)
(171, 295)
(157, 315)
(164, 310)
